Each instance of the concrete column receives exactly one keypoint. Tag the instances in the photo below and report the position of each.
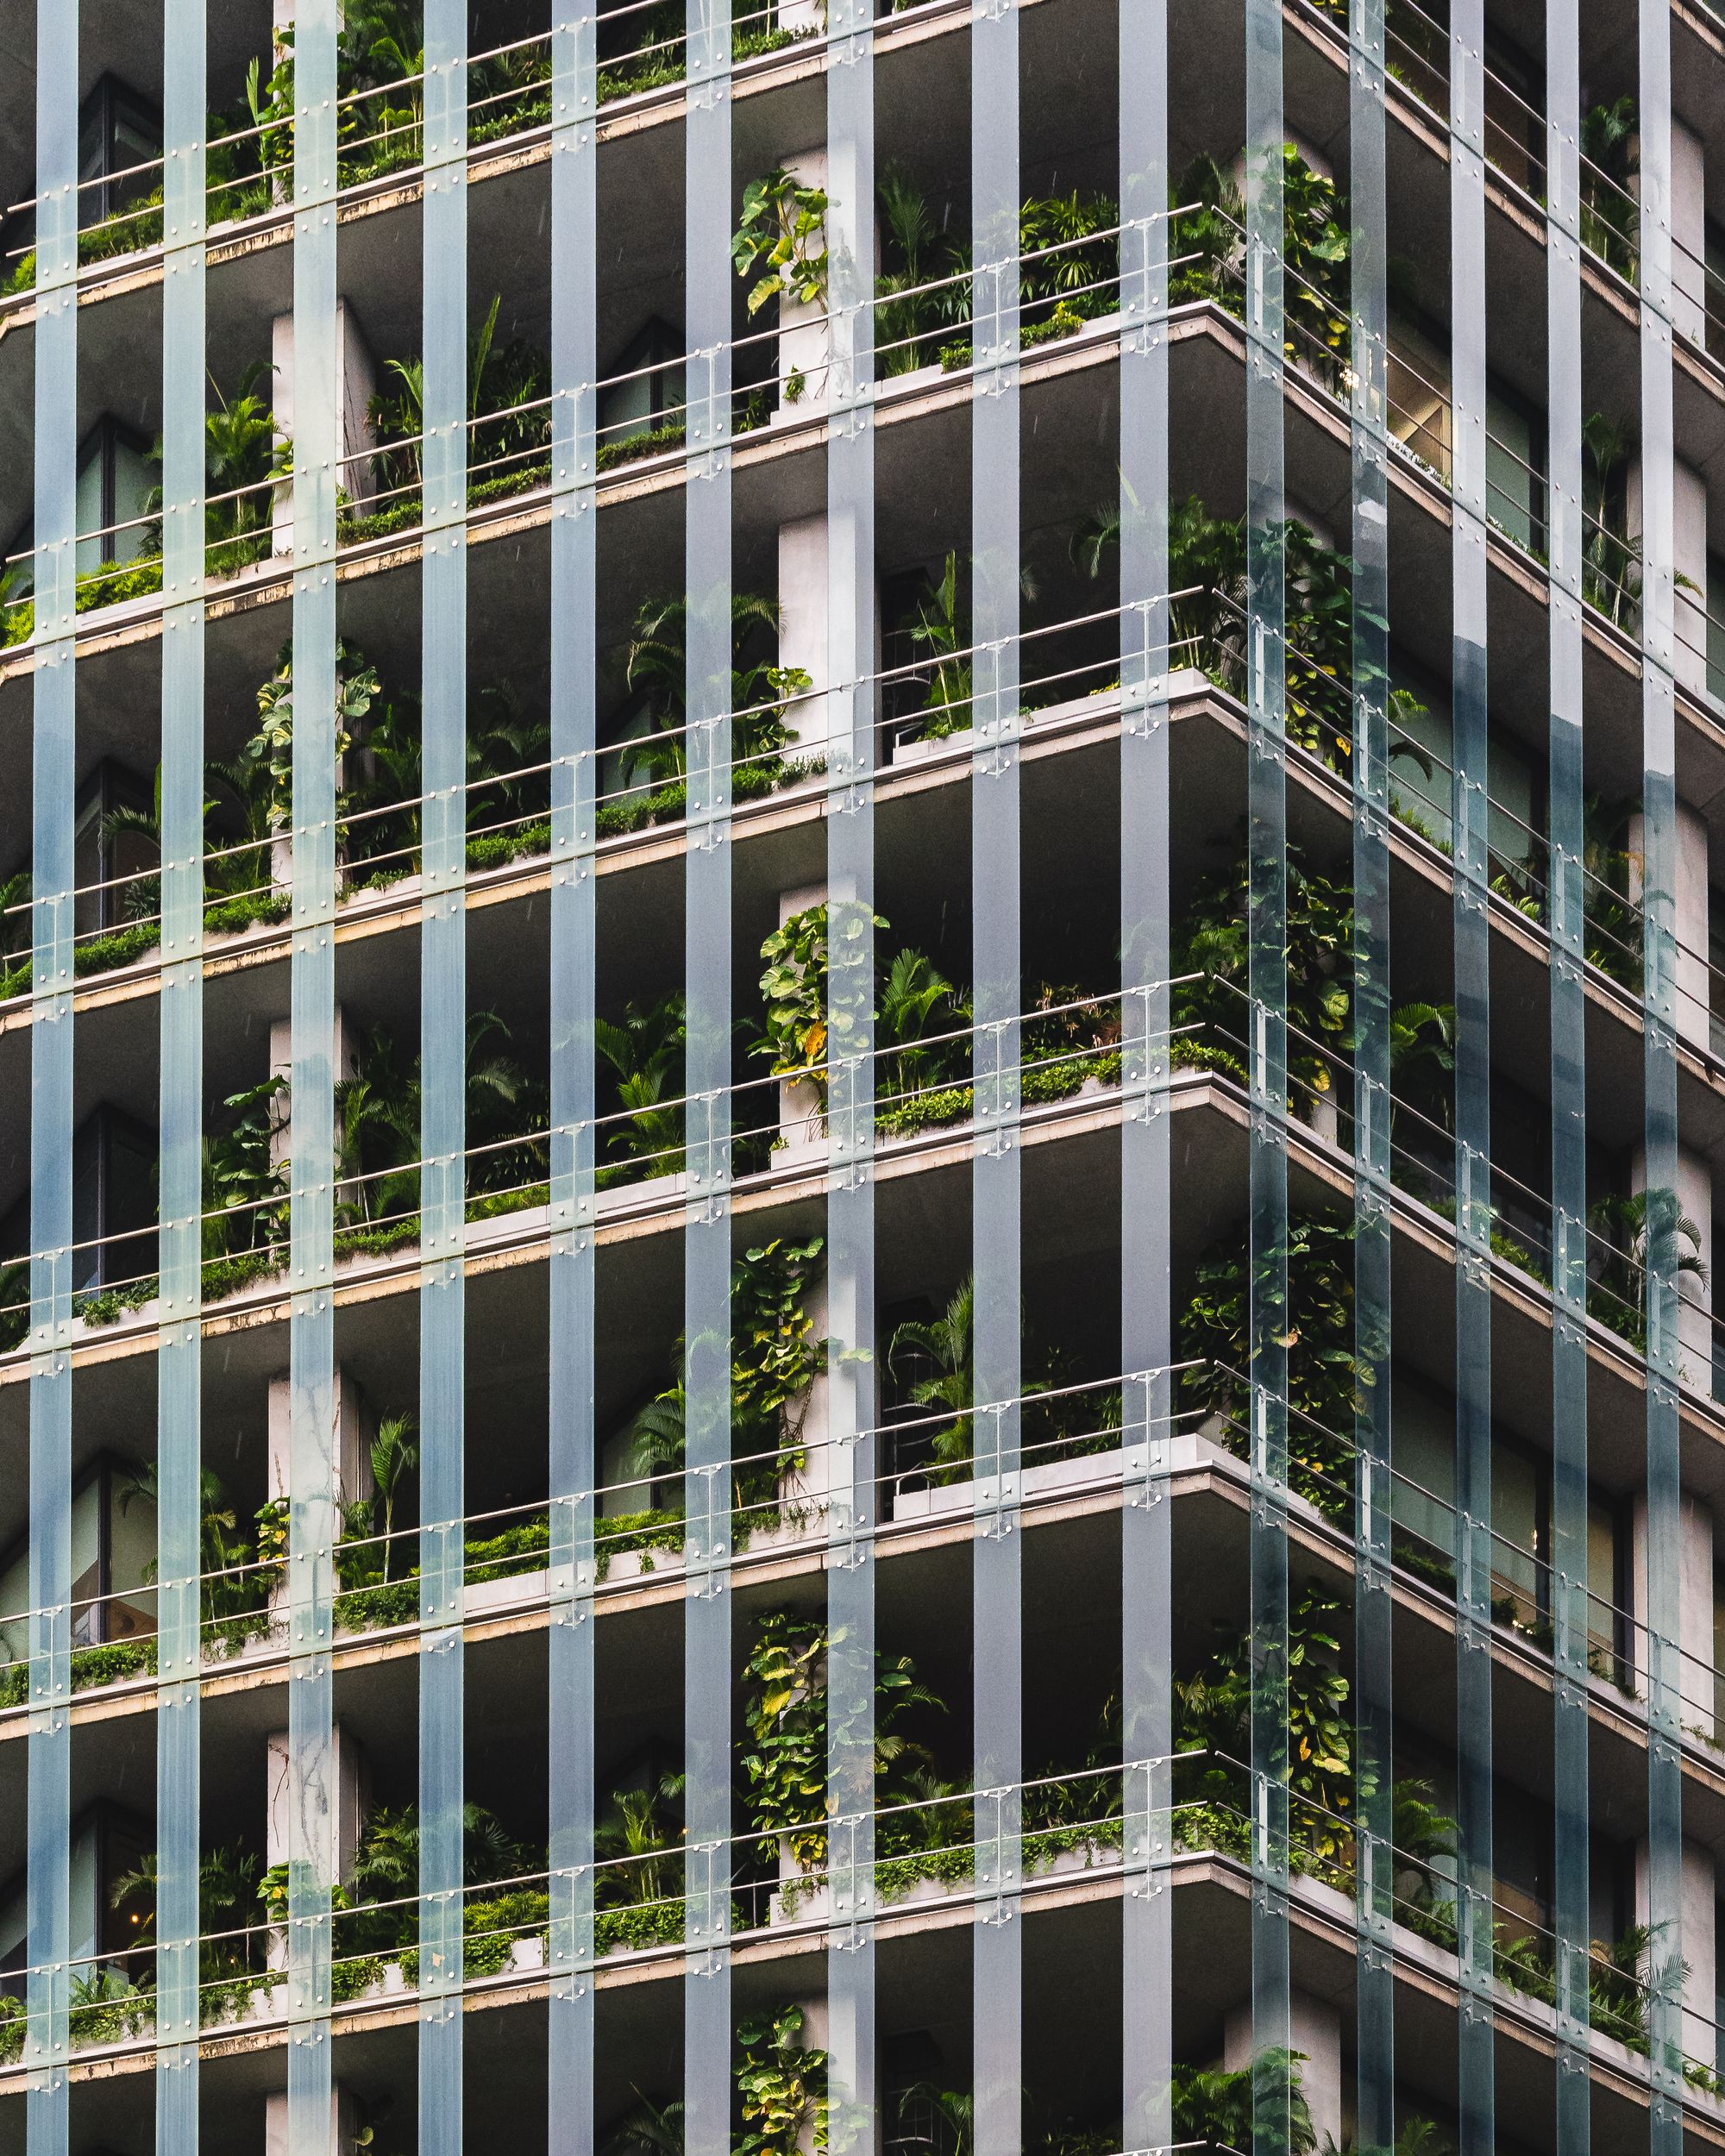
(803, 624)
(802, 15)
(1315, 158)
(1688, 554)
(1689, 234)
(1315, 2033)
(355, 1427)
(1698, 1947)
(358, 376)
(817, 2031)
(332, 1820)
(282, 1066)
(1691, 907)
(802, 1120)
(1695, 1609)
(344, 2110)
(1695, 1295)
(804, 342)
(803, 1489)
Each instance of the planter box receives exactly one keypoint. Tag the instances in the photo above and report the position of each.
(808, 1902)
(791, 1533)
(919, 1893)
(500, 1227)
(634, 1564)
(951, 1500)
(1086, 1856)
(484, 1597)
(922, 751)
(385, 894)
(654, 1190)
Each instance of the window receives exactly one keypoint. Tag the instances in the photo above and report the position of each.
(118, 132)
(113, 1200)
(1515, 469)
(102, 855)
(653, 392)
(116, 480)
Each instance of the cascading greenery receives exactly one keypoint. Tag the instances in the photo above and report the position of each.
(1328, 1368)
(776, 1355)
(784, 1712)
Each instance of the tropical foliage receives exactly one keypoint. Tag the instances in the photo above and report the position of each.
(1069, 274)
(785, 1710)
(1328, 1368)
(781, 242)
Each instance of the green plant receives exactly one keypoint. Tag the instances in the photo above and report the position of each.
(393, 1458)
(1612, 922)
(955, 2109)
(922, 293)
(1213, 1716)
(658, 662)
(1316, 245)
(1632, 1239)
(1212, 940)
(781, 2084)
(1610, 137)
(1610, 558)
(637, 1841)
(1070, 251)
(237, 1573)
(1328, 1368)
(508, 420)
(785, 1712)
(244, 1187)
(1256, 2107)
(941, 627)
(776, 1352)
(793, 989)
(781, 241)
(645, 1049)
(264, 768)
(227, 1894)
(947, 1344)
(647, 2128)
(243, 453)
(776, 1355)
(918, 1013)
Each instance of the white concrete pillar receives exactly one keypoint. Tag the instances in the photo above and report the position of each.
(817, 2029)
(1695, 1294)
(329, 1819)
(1689, 234)
(355, 1425)
(1315, 2033)
(805, 340)
(1689, 556)
(282, 1066)
(802, 15)
(1314, 158)
(1691, 910)
(357, 376)
(1694, 927)
(803, 589)
(802, 1118)
(1697, 1947)
(802, 1490)
(344, 2110)
(1695, 1607)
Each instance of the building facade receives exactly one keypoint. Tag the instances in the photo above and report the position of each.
(859, 1077)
